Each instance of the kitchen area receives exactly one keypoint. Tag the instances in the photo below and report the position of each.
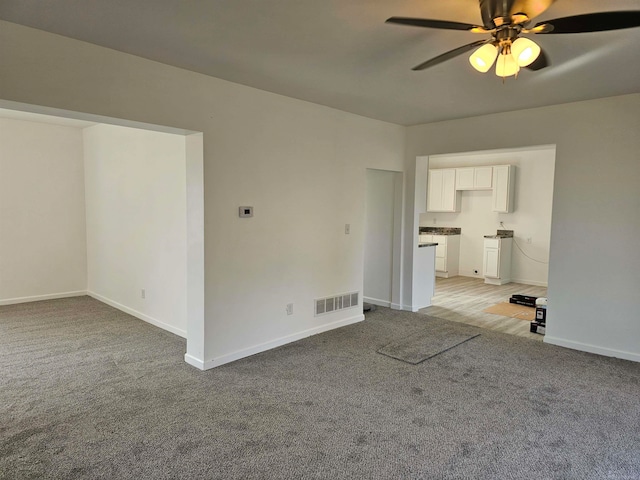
(490, 215)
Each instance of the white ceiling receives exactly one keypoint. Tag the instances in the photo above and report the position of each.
(340, 53)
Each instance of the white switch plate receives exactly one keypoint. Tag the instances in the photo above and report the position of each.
(289, 308)
(347, 228)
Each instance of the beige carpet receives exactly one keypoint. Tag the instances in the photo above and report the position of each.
(513, 310)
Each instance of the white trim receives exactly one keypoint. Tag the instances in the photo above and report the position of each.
(193, 361)
(37, 298)
(470, 274)
(140, 315)
(585, 347)
(530, 282)
(262, 347)
(396, 306)
(376, 301)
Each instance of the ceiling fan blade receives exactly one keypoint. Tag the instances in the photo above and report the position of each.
(540, 28)
(428, 23)
(450, 54)
(541, 62)
(594, 22)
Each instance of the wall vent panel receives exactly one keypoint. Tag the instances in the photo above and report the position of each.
(335, 303)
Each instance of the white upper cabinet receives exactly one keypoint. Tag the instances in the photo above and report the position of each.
(503, 183)
(474, 178)
(441, 191)
(483, 177)
(445, 186)
(464, 178)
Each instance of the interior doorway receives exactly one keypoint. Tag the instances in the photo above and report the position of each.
(464, 296)
(382, 238)
(192, 221)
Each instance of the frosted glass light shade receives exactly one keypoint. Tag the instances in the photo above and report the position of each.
(524, 51)
(483, 58)
(506, 66)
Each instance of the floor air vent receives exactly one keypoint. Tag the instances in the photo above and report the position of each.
(339, 302)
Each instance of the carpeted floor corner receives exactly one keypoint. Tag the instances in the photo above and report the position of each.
(89, 392)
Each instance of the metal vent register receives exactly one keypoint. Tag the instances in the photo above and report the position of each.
(339, 302)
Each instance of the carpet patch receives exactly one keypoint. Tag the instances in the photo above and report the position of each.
(521, 312)
(427, 343)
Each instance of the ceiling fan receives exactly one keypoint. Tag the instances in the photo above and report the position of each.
(506, 21)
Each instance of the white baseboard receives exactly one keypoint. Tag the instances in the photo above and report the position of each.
(247, 352)
(193, 361)
(140, 315)
(530, 282)
(377, 301)
(585, 347)
(396, 306)
(514, 280)
(469, 273)
(37, 298)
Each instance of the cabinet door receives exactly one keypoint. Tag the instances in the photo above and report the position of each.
(464, 178)
(449, 190)
(502, 189)
(482, 177)
(441, 249)
(491, 266)
(434, 191)
(441, 265)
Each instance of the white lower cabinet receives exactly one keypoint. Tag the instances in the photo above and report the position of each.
(447, 254)
(496, 266)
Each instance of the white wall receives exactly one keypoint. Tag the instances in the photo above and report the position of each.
(592, 284)
(136, 222)
(42, 218)
(302, 166)
(531, 218)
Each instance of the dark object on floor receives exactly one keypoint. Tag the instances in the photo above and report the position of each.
(541, 317)
(368, 307)
(525, 300)
(429, 342)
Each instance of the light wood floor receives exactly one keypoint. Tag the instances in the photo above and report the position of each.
(462, 299)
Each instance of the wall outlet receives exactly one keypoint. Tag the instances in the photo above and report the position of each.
(143, 293)
(434, 221)
(528, 240)
(347, 228)
(289, 308)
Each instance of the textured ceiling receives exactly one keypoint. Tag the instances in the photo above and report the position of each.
(340, 53)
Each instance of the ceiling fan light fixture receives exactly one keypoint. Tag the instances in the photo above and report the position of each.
(524, 51)
(506, 66)
(482, 59)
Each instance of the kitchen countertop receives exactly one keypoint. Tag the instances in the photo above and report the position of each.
(439, 231)
(501, 234)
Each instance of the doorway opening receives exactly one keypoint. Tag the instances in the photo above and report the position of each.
(105, 179)
(468, 291)
(382, 238)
